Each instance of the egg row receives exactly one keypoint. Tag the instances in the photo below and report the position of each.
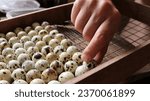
(25, 42)
(43, 64)
(47, 76)
(34, 55)
(35, 26)
(28, 72)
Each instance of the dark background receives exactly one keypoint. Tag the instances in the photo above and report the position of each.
(50, 3)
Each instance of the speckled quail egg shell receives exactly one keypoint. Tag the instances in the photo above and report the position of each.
(7, 51)
(4, 82)
(20, 81)
(2, 58)
(5, 74)
(53, 43)
(38, 28)
(37, 81)
(21, 33)
(64, 57)
(59, 49)
(66, 43)
(17, 45)
(12, 65)
(53, 32)
(48, 75)
(59, 37)
(41, 65)
(2, 39)
(77, 58)
(9, 35)
(4, 45)
(47, 38)
(37, 56)
(20, 51)
(3, 65)
(46, 49)
(18, 73)
(70, 66)
(27, 29)
(57, 66)
(28, 44)
(32, 33)
(18, 29)
(44, 24)
(10, 57)
(42, 33)
(48, 28)
(24, 39)
(51, 57)
(65, 76)
(23, 57)
(90, 64)
(81, 70)
(36, 38)
(71, 50)
(35, 24)
(28, 65)
(40, 44)
(54, 82)
(32, 74)
(32, 50)
(13, 40)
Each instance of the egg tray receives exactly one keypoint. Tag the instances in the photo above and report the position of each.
(127, 52)
(133, 35)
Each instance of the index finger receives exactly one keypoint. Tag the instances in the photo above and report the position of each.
(102, 37)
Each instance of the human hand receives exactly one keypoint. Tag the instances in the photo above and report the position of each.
(97, 20)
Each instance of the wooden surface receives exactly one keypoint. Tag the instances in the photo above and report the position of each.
(112, 71)
(54, 15)
(134, 10)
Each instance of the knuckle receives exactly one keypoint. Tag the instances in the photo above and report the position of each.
(107, 4)
(117, 13)
(86, 36)
(78, 27)
(79, 2)
(93, 3)
(101, 38)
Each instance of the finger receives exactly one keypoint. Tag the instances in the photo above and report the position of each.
(81, 19)
(102, 36)
(104, 11)
(75, 9)
(100, 55)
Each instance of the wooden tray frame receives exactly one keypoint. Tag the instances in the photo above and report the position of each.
(113, 71)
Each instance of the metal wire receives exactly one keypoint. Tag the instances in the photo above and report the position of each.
(133, 35)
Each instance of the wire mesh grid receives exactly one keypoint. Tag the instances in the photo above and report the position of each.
(133, 35)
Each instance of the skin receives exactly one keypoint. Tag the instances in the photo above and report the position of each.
(97, 20)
